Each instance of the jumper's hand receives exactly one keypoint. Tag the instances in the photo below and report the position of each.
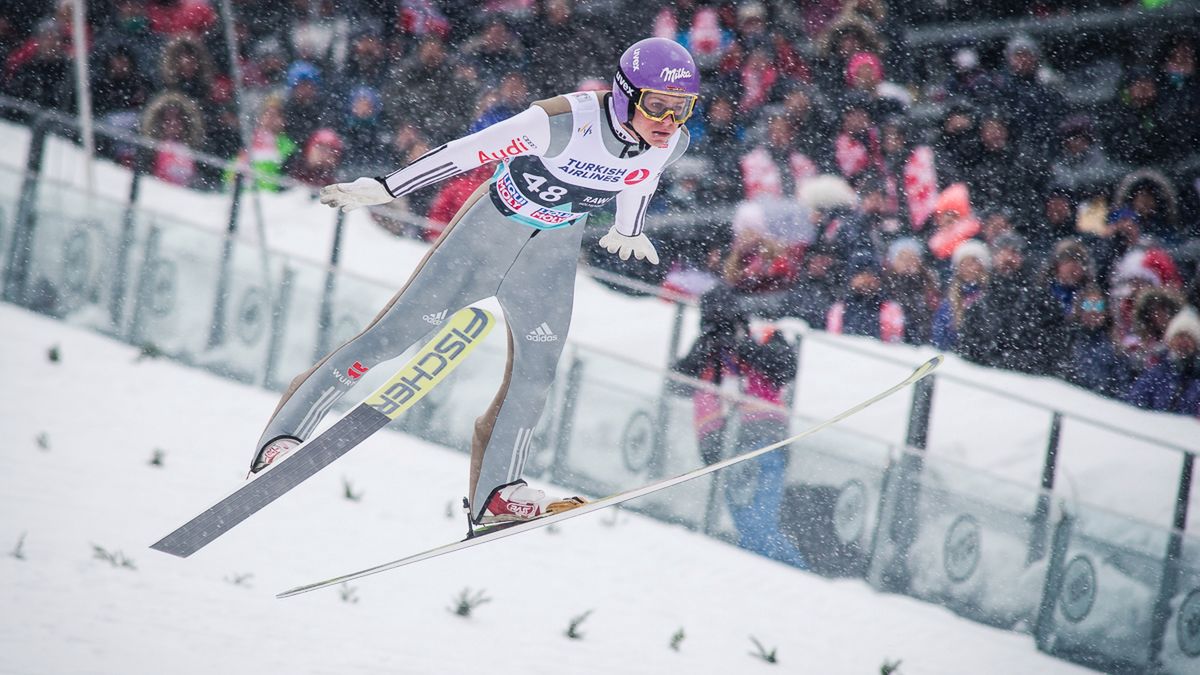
(350, 196)
(622, 245)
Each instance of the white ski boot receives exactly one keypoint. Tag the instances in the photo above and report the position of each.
(273, 452)
(517, 502)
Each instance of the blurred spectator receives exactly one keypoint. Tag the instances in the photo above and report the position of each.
(996, 223)
(501, 103)
(759, 368)
(1180, 91)
(1142, 343)
(1135, 120)
(757, 78)
(1173, 385)
(954, 222)
(957, 142)
(366, 61)
(752, 25)
(429, 76)
(775, 168)
(16, 19)
(365, 132)
(1155, 202)
(270, 146)
(40, 71)
(1056, 221)
(265, 74)
(120, 92)
(1071, 270)
(842, 38)
(177, 123)
(998, 177)
(757, 262)
(494, 52)
(180, 17)
(706, 39)
(858, 311)
(816, 288)
(868, 228)
(318, 164)
(547, 67)
(319, 34)
(1081, 163)
(130, 27)
(968, 81)
(864, 74)
(1091, 360)
(1034, 106)
(808, 114)
(307, 106)
(908, 167)
(187, 67)
(720, 139)
(857, 145)
(969, 271)
(913, 288)
(117, 83)
(1014, 324)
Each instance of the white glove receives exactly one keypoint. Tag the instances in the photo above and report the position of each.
(350, 196)
(623, 245)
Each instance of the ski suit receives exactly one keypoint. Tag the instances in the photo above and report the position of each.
(517, 239)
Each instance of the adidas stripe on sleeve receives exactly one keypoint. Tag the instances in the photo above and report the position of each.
(527, 133)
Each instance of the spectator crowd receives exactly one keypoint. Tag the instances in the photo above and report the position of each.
(1029, 203)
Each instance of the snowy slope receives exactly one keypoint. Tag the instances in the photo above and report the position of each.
(102, 414)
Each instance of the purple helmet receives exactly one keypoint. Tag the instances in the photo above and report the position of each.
(654, 63)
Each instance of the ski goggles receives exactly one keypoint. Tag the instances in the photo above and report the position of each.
(657, 105)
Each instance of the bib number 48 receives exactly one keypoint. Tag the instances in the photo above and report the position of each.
(534, 183)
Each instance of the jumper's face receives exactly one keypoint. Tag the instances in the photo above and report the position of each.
(657, 116)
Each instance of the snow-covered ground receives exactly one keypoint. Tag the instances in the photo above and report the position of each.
(79, 435)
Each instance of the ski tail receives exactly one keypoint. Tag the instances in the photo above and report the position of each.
(432, 363)
(920, 373)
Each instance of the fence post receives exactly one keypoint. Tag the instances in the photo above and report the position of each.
(116, 304)
(1053, 585)
(216, 330)
(325, 318)
(141, 294)
(902, 489)
(660, 412)
(1041, 512)
(16, 273)
(566, 421)
(1170, 574)
(278, 325)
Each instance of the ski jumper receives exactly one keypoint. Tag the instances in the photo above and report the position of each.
(517, 239)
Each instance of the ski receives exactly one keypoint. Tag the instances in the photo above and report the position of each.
(500, 532)
(436, 359)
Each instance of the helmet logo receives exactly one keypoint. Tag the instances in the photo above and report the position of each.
(673, 74)
(637, 59)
